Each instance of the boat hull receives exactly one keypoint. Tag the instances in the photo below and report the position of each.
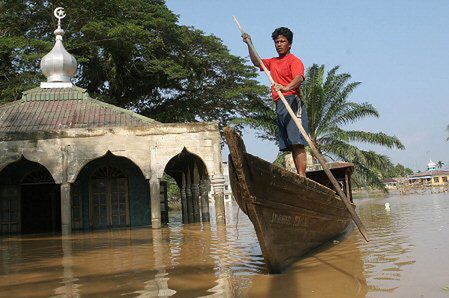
(291, 214)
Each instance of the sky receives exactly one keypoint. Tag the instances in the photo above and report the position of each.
(399, 50)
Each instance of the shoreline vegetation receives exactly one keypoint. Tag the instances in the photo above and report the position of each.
(181, 85)
(359, 193)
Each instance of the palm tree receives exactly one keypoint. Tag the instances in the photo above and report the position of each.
(330, 111)
(440, 164)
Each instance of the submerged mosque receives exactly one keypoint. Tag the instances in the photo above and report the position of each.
(71, 162)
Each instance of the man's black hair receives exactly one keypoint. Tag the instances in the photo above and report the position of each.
(283, 31)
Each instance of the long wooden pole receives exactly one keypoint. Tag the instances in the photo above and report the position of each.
(320, 158)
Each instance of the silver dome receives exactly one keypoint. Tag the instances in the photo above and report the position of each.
(59, 66)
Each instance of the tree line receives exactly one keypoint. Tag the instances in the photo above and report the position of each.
(135, 54)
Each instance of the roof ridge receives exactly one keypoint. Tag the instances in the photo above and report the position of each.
(48, 94)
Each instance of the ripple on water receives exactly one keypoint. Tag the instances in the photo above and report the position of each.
(409, 241)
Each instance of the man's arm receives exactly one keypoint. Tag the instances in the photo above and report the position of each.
(294, 84)
(253, 56)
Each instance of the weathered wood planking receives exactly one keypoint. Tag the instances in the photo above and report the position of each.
(291, 214)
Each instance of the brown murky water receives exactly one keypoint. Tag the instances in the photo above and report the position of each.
(408, 256)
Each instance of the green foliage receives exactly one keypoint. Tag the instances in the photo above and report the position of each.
(173, 192)
(397, 171)
(330, 111)
(263, 120)
(440, 164)
(133, 54)
(280, 159)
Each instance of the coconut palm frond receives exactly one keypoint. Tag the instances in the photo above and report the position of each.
(329, 109)
(352, 112)
(378, 138)
(369, 165)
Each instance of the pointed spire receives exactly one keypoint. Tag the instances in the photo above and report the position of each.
(59, 66)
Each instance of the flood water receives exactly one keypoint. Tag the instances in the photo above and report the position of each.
(408, 256)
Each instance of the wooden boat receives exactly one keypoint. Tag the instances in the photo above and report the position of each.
(291, 214)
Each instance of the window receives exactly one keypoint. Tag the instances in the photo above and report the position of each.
(436, 179)
(226, 187)
(38, 177)
(109, 202)
(9, 209)
(445, 179)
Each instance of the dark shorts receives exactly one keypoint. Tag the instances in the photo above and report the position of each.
(289, 133)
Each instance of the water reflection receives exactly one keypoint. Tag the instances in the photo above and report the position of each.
(407, 257)
(193, 272)
(158, 287)
(390, 248)
(69, 287)
(335, 270)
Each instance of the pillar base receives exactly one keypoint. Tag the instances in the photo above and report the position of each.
(218, 186)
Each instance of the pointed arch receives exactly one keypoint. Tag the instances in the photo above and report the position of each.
(23, 158)
(181, 162)
(190, 173)
(81, 166)
(110, 191)
(30, 198)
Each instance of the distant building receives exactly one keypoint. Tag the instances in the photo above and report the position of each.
(290, 164)
(228, 196)
(390, 183)
(434, 178)
(431, 177)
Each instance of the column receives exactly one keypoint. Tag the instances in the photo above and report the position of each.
(155, 203)
(66, 209)
(189, 197)
(204, 195)
(196, 194)
(185, 218)
(218, 186)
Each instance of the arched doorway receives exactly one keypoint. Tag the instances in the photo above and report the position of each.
(30, 201)
(192, 179)
(110, 192)
(40, 203)
(109, 201)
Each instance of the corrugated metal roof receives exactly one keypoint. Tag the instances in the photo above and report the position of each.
(429, 174)
(61, 108)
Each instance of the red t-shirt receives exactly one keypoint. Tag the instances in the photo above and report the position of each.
(283, 70)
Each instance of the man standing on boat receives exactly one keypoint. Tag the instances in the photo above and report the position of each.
(287, 71)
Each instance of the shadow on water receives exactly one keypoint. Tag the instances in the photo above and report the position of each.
(192, 276)
(408, 245)
(332, 270)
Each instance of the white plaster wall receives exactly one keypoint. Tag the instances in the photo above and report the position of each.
(150, 148)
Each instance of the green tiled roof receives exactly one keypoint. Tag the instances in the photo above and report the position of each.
(74, 93)
(60, 108)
